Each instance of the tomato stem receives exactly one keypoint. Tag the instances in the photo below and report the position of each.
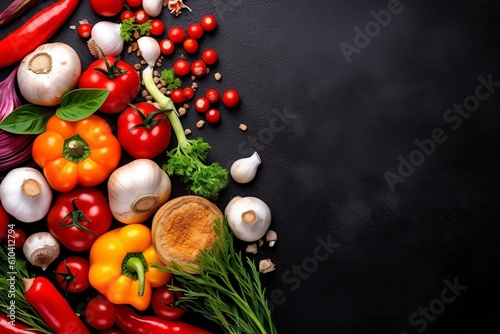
(77, 215)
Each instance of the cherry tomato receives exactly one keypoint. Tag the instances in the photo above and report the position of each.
(201, 104)
(212, 95)
(157, 27)
(182, 67)
(195, 31)
(208, 22)
(188, 93)
(176, 34)
(100, 313)
(190, 45)
(78, 217)
(177, 95)
(84, 30)
(72, 274)
(126, 15)
(19, 238)
(123, 87)
(162, 303)
(143, 130)
(198, 68)
(4, 223)
(230, 98)
(167, 47)
(107, 8)
(134, 3)
(141, 16)
(209, 56)
(213, 116)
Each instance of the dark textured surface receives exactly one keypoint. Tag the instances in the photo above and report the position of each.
(329, 130)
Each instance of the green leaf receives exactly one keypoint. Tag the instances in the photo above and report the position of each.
(80, 103)
(27, 119)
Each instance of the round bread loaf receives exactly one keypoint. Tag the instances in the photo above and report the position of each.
(182, 227)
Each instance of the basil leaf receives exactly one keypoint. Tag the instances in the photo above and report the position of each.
(27, 119)
(80, 103)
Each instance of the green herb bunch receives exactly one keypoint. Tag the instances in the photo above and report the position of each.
(225, 288)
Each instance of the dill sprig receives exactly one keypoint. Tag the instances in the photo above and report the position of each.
(225, 288)
(24, 312)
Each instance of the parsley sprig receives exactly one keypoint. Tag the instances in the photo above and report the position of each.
(128, 27)
(225, 288)
(24, 312)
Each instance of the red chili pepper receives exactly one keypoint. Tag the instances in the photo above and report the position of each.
(132, 323)
(35, 32)
(52, 306)
(7, 327)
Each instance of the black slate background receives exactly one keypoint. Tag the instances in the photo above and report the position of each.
(341, 127)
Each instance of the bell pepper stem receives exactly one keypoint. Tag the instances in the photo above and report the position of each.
(134, 264)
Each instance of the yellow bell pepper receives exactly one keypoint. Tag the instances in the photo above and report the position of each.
(120, 266)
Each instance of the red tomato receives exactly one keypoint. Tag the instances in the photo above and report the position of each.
(141, 16)
(198, 68)
(182, 67)
(195, 31)
(213, 116)
(100, 313)
(78, 217)
(72, 274)
(208, 22)
(123, 86)
(188, 93)
(230, 98)
(190, 45)
(19, 238)
(212, 95)
(157, 27)
(143, 130)
(176, 34)
(201, 104)
(4, 223)
(163, 300)
(111, 331)
(126, 15)
(84, 30)
(167, 47)
(107, 8)
(177, 95)
(209, 56)
(134, 3)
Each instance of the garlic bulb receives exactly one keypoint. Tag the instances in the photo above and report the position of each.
(136, 190)
(41, 249)
(105, 37)
(152, 7)
(244, 170)
(26, 194)
(48, 73)
(248, 218)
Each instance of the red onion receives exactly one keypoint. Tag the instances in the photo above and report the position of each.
(15, 149)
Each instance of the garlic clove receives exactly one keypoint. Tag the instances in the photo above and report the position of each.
(244, 170)
(271, 237)
(252, 248)
(150, 49)
(266, 266)
(105, 39)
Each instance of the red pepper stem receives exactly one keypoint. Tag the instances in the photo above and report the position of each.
(134, 264)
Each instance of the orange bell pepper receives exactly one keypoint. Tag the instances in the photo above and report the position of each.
(120, 266)
(82, 152)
